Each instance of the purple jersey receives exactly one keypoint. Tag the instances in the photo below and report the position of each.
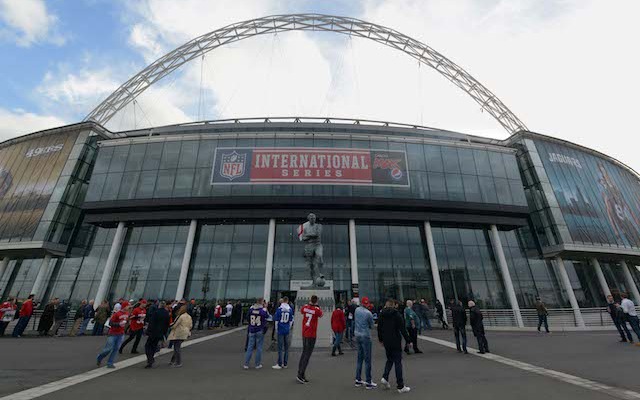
(257, 318)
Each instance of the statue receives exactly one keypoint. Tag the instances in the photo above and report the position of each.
(311, 234)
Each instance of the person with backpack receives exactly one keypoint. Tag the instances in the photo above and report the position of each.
(311, 313)
(283, 323)
(338, 326)
(391, 330)
(257, 323)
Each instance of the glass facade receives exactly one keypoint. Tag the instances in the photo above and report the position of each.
(183, 168)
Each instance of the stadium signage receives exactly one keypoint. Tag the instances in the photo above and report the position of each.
(38, 151)
(564, 159)
(300, 166)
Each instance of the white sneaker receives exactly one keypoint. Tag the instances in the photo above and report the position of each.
(259, 366)
(385, 383)
(276, 367)
(245, 366)
(405, 389)
(359, 383)
(371, 385)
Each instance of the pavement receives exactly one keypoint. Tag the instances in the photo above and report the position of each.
(213, 368)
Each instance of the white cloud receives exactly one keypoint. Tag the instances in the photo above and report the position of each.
(19, 122)
(27, 22)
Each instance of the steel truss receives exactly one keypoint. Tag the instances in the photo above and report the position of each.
(195, 48)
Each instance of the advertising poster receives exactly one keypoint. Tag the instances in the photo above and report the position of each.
(600, 201)
(308, 166)
(29, 171)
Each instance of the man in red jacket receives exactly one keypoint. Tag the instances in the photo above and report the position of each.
(7, 313)
(338, 326)
(117, 323)
(26, 311)
(311, 313)
(136, 323)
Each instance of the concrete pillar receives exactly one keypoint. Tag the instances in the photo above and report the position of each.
(41, 278)
(186, 259)
(268, 270)
(3, 266)
(353, 255)
(433, 260)
(601, 279)
(568, 289)
(110, 266)
(506, 276)
(628, 280)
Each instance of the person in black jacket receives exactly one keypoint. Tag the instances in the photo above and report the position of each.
(618, 318)
(475, 316)
(391, 330)
(60, 316)
(459, 317)
(440, 312)
(157, 331)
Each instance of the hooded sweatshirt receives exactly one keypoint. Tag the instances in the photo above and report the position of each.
(284, 319)
(257, 318)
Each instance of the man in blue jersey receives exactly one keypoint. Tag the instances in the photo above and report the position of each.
(257, 322)
(283, 323)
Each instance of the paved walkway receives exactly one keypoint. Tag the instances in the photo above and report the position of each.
(213, 368)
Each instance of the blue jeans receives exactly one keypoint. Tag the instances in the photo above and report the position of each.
(18, 330)
(351, 327)
(336, 342)
(364, 354)
(283, 350)
(111, 348)
(255, 340)
(83, 327)
(542, 319)
(460, 332)
(635, 324)
(425, 323)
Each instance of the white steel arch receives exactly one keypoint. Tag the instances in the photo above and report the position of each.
(194, 48)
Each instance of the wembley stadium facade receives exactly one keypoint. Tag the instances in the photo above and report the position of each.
(210, 210)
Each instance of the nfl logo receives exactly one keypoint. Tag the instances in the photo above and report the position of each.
(233, 165)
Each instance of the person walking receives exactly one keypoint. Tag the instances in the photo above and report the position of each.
(156, 331)
(630, 316)
(77, 319)
(7, 313)
(311, 313)
(424, 315)
(391, 330)
(117, 323)
(102, 315)
(46, 319)
(136, 325)
(411, 321)
(283, 323)
(88, 313)
(26, 311)
(237, 314)
(350, 313)
(363, 324)
(440, 313)
(617, 316)
(475, 318)
(180, 331)
(60, 317)
(459, 318)
(228, 311)
(542, 315)
(338, 326)
(204, 313)
(257, 323)
(217, 315)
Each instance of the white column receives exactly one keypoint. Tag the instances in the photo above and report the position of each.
(627, 277)
(433, 260)
(3, 266)
(353, 254)
(568, 289)
(603, 282)
(268, 270)
(110, 266)
(186, 259)
(506, 276)
(43, 273)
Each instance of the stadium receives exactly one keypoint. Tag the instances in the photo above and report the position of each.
(210, 209)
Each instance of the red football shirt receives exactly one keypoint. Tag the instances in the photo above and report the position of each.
(311, 314)
(118, 321)
(137, 319)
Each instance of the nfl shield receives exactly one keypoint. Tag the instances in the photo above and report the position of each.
(233, 165)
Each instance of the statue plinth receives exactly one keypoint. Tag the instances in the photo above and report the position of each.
(326, 301)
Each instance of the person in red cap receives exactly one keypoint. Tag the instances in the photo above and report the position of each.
(136, 325)
(311, 313)
(363, 325)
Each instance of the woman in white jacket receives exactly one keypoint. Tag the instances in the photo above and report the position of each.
(180, 331)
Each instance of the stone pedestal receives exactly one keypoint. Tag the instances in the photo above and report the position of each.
(326, 302)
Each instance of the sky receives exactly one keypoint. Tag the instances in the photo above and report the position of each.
(566, 68)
